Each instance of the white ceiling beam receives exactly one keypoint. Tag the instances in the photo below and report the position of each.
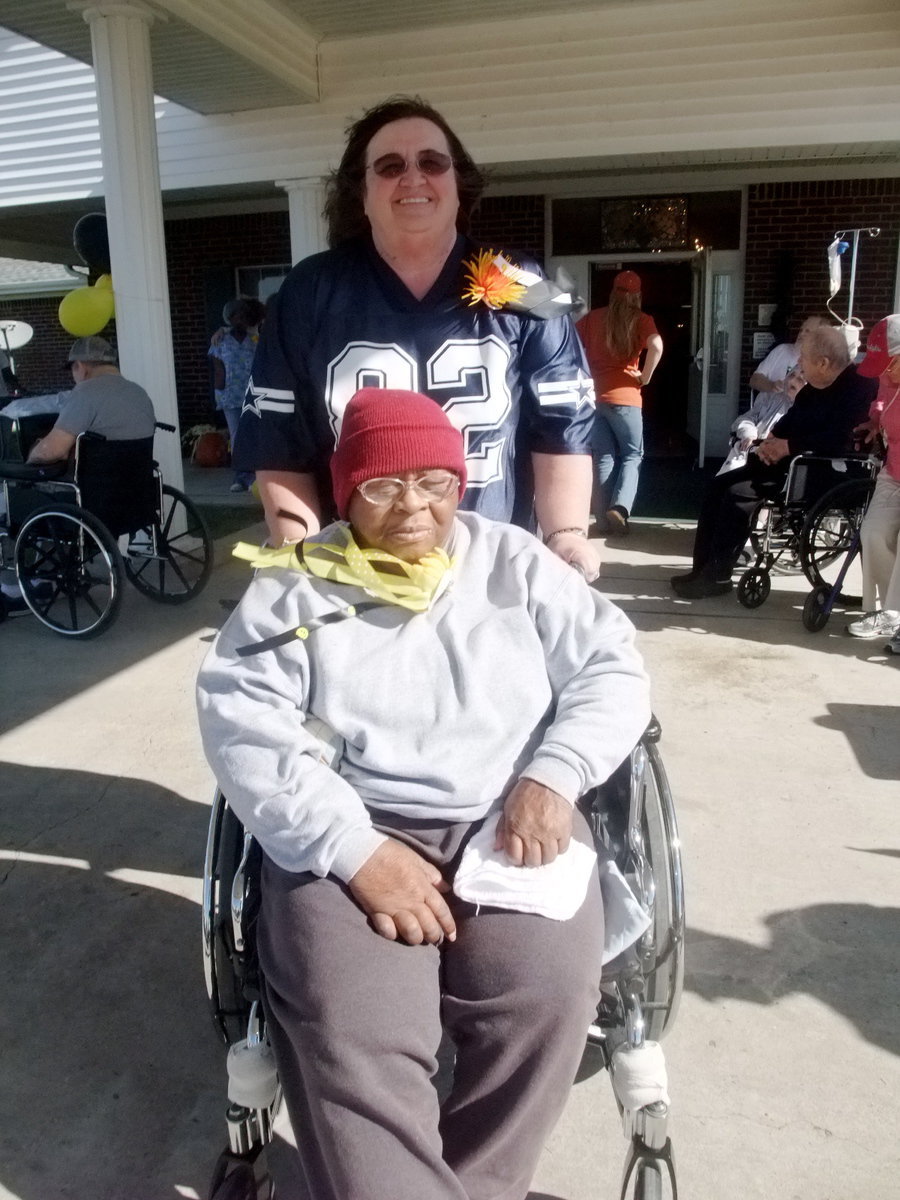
(261, 33)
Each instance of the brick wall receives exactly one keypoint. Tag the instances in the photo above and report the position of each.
(789, 228)
(513, 222)
(40, 363)
(198, 251)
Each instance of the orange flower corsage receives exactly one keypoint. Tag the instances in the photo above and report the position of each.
(491, 279)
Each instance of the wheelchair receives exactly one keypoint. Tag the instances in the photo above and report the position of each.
(633, 820)
(810, 526)
(63, 522)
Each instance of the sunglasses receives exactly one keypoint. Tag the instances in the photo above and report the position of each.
(429, 162)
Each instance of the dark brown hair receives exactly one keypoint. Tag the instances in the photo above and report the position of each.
(346, 186)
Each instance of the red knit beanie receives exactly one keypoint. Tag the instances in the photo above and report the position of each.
(386, 432)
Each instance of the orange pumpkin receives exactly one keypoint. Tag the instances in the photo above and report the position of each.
(210, 450)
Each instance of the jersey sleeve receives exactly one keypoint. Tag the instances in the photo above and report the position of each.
(275, 433)
(557, 388)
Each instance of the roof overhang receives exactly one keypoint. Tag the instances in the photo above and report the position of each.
(211, 56)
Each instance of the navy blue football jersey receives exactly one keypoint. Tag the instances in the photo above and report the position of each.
(510, 383)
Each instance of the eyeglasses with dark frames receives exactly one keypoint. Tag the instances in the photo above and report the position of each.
(393, 166)
(431, 485)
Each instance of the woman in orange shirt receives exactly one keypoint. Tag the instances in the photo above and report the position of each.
(614, 339)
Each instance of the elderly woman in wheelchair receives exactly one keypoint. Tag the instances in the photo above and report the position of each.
(820, 422)
(403, 711)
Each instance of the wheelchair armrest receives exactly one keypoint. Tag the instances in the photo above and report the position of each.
(33, 472)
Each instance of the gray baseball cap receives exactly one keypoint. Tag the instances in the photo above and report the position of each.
(92, 350)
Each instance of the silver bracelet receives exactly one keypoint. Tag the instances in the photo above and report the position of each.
(568, 529)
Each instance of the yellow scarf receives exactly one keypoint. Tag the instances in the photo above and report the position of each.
(411, 585)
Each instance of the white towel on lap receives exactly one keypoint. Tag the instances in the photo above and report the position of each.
(555, 890)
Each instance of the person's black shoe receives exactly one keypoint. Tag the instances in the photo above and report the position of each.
(700, 587)
(684, 577)
(617, 521)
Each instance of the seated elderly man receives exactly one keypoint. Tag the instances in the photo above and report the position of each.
(404, 713)
(821, 421)
(102, 402)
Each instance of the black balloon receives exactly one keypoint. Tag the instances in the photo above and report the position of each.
(92, 242)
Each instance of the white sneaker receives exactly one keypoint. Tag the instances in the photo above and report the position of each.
(875, 624)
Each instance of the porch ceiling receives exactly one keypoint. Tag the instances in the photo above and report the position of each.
(233, 55)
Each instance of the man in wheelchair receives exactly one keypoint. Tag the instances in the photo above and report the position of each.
(102, 402)
(403, 710)
(821, 421)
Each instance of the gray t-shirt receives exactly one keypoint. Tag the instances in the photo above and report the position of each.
(109, 405)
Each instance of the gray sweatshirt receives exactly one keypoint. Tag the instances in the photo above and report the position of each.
(518, 669)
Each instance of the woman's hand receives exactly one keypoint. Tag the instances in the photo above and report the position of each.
(401, 892)
(866, 432)
(535, 825)
(577, 552)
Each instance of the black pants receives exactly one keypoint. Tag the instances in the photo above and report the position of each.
(725, 515)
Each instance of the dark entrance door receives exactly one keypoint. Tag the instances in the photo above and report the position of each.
(666, 295)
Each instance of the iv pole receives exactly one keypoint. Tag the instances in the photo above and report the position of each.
(872, 231)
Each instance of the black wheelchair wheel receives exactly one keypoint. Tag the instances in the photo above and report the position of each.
(753, 588)
(70, 570)
(171, 560)
(232, 975)
(829, 533)
(815, 616)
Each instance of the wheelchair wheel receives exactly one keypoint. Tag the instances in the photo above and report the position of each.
(829, 532)
(229, 965)
(70, 570)
(241, 1178)
(648, 1183)
(662, 946)
(171, 560)
(815, 615)
(753, 588)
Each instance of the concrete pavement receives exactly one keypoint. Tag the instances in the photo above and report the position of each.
(784, 755)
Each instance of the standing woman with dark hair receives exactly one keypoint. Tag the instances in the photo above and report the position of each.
(405, 299)
(615, 337)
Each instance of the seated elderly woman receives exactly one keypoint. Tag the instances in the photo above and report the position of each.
(404, 713)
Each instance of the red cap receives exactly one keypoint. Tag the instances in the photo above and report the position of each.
(627, 281)
(386, 432)
(882, 344)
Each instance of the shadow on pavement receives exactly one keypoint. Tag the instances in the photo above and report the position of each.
(114, 1080)
(846, 956)
(871, 730)
(42, 669)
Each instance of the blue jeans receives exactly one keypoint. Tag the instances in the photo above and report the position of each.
(232, 417)
(618, 450)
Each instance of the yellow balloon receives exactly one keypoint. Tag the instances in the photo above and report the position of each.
(104, 282)
(86, 311)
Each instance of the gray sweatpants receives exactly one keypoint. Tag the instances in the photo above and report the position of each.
(355, 1022)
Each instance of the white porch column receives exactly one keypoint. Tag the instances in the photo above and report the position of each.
(306, 199)
(120, 39)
